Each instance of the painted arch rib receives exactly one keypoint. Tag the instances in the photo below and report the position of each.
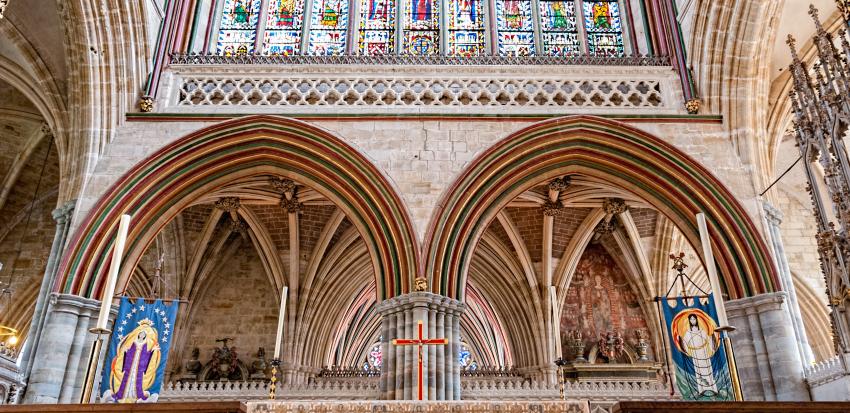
(652, 169)
(155, 190)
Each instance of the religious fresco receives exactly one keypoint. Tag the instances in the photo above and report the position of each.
(238, 28)
(282, 35)
(600, 301)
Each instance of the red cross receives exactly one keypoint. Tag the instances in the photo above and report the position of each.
(421, 341)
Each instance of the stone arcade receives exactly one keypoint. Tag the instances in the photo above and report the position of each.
(510, 175)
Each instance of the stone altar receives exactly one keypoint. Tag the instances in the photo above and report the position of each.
(570, 406)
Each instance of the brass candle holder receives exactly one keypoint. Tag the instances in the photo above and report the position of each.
(273, 383)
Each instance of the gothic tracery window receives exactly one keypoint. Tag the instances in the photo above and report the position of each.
(421, 27)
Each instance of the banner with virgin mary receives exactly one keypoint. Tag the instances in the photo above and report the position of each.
(135, 362)
(699, 358)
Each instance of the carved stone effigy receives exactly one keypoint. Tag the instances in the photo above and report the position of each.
(570, 406)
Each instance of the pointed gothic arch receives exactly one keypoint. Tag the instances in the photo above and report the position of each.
(668, 179)
(156, 189)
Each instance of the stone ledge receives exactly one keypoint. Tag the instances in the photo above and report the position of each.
(572, 406)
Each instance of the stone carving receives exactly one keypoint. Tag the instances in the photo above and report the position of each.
(292, 205)
(605, 228)
(560, 184)
(194, 366)
(531, 406)
(552, 208)
(282, 185)
(692, 106)
(517, 89)
(224, 364)
(146, 104)
(228, 204)
(614, 206)
(642, 346)
(575, 343)
(259, 365)
(611, 345)
(421, 284)
(3, 5)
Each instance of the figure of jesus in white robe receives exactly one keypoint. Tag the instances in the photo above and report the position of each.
(697, 344)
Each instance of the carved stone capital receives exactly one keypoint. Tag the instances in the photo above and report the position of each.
(146, 104)
(552, 208)
(291, 205)
(773, 214)
(228, 204)
(614, 206)
(560, 184)
(605, 228)
(282, 185)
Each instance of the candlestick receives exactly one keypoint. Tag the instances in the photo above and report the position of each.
(115, 265)
(280, 319)
(273, 383)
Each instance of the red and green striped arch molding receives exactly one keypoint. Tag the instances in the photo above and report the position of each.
(156, 189)
(664, 176)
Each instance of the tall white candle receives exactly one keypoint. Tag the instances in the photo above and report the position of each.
(115, 265)
(280, 319)
(711, 269)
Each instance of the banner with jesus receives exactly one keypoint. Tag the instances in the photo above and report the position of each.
(135, 363)
(699, 358)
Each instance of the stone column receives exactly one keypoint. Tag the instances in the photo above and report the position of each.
(441, 319)
(765, 348)
(62, 216)
(774, 218)
(60, 361)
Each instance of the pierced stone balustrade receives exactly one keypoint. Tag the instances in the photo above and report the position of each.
(352, 85)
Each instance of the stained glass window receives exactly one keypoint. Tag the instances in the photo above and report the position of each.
(558, 27)
(603, 27)
(422, 27)
(466, 27)
(465, 359)
(376, 356)
(238, 29)
(328, 27)
(283, 27)
(515, 30)
(377, 27)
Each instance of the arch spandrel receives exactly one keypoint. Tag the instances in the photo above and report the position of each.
(668, 179)
(160, 186)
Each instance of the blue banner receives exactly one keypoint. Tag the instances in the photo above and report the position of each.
(135, 363)
(699, 357)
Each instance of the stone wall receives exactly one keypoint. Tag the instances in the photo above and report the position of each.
(240, 304)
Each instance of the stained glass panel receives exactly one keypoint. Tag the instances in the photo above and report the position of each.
(328, 27)
(376, 356)
(604, 28)
(421, 27)
(466, 27)
(377, 27)
(558, 27)
(515, 29)
(238, 29)
(283, 27)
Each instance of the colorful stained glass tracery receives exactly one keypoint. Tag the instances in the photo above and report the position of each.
(238, 28)
(466, 27)
(514, 22)
(558, 27)
(377, 27)
(328, 27)
(604, 28)
(284, 20)
(422, 27)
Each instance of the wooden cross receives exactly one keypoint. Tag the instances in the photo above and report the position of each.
(420, 341)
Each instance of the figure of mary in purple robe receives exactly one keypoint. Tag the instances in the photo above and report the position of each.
(134, 366)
